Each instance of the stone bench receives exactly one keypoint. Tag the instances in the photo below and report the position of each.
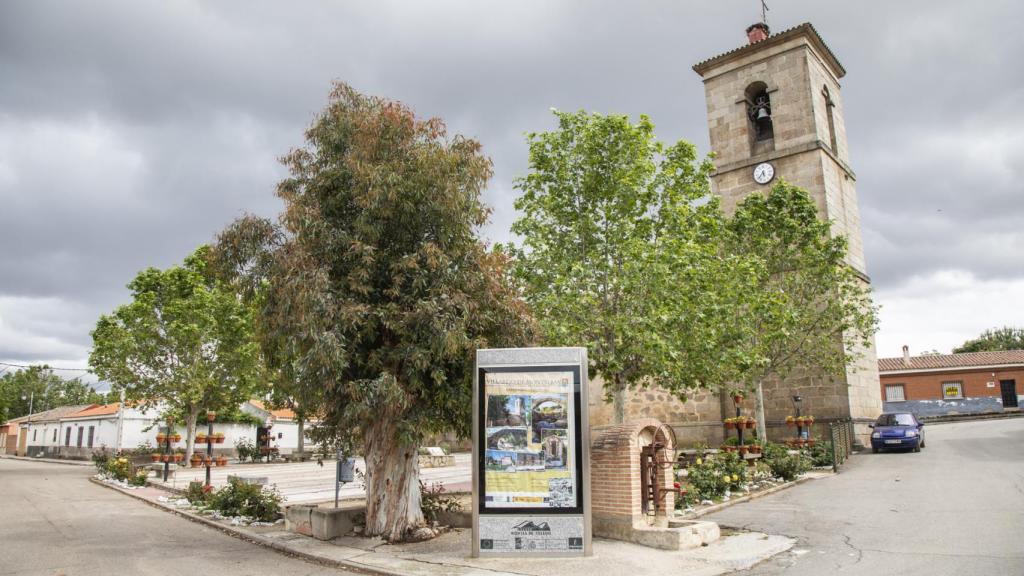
(255, 480)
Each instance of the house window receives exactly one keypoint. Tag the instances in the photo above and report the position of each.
(92, 430)
(54, 435)
(952, 390)
(81, 432)
(895, 393)
(34, 432)
(67, 437)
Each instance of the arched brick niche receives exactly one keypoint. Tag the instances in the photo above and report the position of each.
(615, 477)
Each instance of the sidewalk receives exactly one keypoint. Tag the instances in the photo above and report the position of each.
(48, 460)
(449, 553)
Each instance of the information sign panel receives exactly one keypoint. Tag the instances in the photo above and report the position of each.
(531, 453)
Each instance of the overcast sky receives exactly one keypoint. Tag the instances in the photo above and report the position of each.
(131, 132)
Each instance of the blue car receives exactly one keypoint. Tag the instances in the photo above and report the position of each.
(897, 430)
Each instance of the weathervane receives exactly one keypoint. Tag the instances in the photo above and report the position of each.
(764, 11)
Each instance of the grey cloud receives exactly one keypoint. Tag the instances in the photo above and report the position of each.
(130, 131)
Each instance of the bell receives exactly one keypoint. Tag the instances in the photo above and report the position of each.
(762, 113)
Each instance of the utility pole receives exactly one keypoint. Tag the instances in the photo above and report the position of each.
(120, 422)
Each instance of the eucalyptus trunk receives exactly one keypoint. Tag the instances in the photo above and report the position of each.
(302, 432)
(392, 484)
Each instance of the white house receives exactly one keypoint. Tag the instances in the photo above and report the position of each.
(41, 431)
(280, 425)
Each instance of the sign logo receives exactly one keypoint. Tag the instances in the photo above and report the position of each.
(529, 528)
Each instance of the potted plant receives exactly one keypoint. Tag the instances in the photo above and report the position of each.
(196, 460)
(161, 437)
(790, 421)
(218, 437)
(222, 460)
(730, 423)
(755, 448)
(201, 438)
(808, 420)
(211, 415)
(209, 460)
(737, 397)
(175, 437)
(743, 450)
(178, 457)
(750, 423)
(165, 458)
(155, 456)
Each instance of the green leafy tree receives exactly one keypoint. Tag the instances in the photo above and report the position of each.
(805, 308)
(184, 343)
(995, 339)
(44, 390)
(375, 290)
(620, 254)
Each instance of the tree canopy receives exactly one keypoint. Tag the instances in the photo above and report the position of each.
(184, 343)
(620, 254)
(374, 289)
(45, 389)
(993, 340)
(806, 307)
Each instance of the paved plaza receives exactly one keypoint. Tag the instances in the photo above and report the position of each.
(310, 483)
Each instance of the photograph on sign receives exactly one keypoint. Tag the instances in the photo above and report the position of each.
(529, 460)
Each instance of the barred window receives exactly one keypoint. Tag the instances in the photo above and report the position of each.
(952, 390)
(895, 393)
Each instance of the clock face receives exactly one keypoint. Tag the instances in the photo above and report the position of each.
(764, 172)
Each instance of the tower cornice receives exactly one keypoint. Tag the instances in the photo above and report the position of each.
(805, 30)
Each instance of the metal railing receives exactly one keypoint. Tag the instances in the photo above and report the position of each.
(841, 432)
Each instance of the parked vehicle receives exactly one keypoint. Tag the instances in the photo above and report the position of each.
(897, 430)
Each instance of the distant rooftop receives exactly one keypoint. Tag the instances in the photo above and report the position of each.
(940, 361)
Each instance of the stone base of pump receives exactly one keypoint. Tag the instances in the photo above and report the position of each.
(665, 534)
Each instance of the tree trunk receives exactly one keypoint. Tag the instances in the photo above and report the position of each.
(619, 400)
(302, 431)
(392, 484)
(762, 430)
(190, 432)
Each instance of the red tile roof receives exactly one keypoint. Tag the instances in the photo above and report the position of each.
(953, 361)
(805, 28)
(282, 413)
(97, 410)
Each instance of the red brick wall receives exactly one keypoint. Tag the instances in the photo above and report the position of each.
(615, 469)
(928, 386)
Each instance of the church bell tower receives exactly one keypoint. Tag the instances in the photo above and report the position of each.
(775, 111)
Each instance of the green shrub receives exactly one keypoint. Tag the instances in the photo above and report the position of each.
(821, 454)
(241, 499)
(139, 477)
(711, 476)
(196, 493)
(784, 465)
(119, 467)
(433, 500)
(246, 450)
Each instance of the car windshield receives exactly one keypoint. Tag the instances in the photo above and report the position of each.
(896, 420)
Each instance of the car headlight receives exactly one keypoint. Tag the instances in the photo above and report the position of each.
(876, 434)
(911, 433)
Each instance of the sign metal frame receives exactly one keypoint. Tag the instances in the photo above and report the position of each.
(572, 519)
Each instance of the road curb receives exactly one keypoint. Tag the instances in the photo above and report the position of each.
(255, 538)
(732, 502)
(47, 460)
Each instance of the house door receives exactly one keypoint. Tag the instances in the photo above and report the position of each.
(1009, 390)
(22, 442)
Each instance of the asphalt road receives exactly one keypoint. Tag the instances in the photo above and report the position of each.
(955, 508)
(53, 522)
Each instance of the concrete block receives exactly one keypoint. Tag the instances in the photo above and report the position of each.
(329, 523)
(298, 519)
